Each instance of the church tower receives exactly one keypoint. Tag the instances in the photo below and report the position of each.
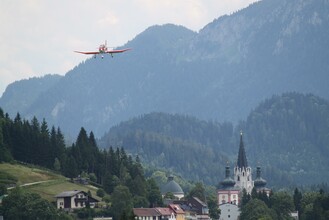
(242, 172)
(260, 183)
(228, 193)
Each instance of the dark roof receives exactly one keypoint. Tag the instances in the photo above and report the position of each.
(92, 199)
(73, 193)
(193, 204)
(228, 182)
(186, 206)
(259, 182)
(242, 158)
(196, 199)
(171, 186)
(69, 193)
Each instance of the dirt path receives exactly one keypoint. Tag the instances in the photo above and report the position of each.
(30, 184)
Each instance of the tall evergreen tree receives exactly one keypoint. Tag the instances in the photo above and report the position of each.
(82, 144)
(297, 199)
(44, 158)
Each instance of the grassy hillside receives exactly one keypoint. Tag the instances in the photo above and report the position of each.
(44, 182)
(25, 174)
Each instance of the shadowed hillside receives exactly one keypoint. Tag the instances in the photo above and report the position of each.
(220, 73)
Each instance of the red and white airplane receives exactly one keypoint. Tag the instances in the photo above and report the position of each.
(103, 49)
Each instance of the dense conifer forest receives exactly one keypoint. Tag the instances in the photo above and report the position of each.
(117, 173)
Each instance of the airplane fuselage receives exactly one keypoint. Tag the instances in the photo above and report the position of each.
(102, 48)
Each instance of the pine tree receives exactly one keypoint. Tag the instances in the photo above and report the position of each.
(45, 147)
(297, 199)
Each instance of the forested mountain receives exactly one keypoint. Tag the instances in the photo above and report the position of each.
(219, 73)
(286, 135)
(290, 133)
(19, 95)
(195, 149)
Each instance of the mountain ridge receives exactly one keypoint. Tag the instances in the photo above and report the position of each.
(220, 73)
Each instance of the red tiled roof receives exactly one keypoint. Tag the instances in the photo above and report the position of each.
(164, 211)
(176, 208)
(140, 212)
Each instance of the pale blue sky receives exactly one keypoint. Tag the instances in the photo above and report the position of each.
(38, 36)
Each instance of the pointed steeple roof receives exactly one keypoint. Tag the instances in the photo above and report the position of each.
(242, 159)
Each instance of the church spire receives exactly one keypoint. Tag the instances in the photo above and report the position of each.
(242, 159)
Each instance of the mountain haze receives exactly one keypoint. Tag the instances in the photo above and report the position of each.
(285, 135)
(220, 73)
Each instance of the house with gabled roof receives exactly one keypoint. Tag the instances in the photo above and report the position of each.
(179, 212)
(166, 213)
(74, 199)
(194, 209)
(154, 214)
(146, 213)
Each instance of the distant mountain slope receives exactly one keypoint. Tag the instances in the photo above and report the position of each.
(21, 94)
(196, 149)
(290, 133)
(286, 135)
(220, 73)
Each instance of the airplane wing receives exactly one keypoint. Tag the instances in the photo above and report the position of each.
(88, 53)
(118, 51)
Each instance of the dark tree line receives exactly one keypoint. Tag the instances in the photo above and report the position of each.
(30, 141)
(113, 169)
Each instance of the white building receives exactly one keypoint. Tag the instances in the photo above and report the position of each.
(74, 199)
(230, 192)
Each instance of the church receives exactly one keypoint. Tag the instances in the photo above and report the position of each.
(230, 191)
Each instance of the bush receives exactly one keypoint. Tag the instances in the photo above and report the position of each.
(100, 193)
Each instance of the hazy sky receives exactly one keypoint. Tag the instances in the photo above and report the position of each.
(38, 37)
